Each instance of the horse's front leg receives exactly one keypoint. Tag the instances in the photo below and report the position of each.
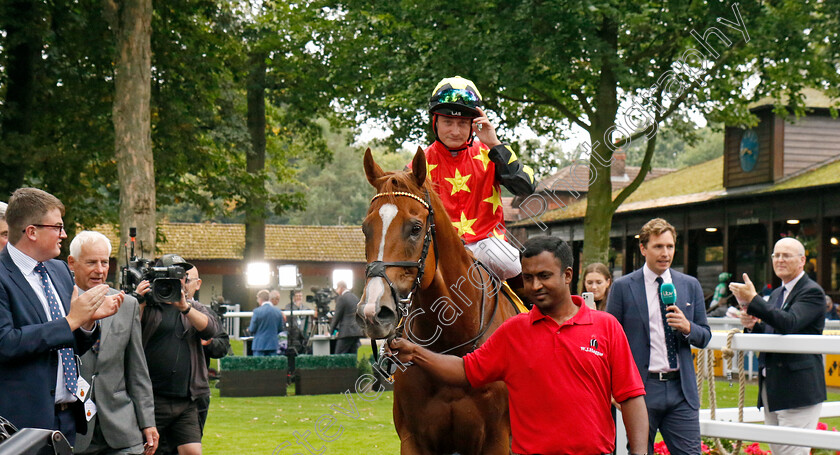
(411, 446)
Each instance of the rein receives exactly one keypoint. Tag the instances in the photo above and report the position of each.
(378, 268)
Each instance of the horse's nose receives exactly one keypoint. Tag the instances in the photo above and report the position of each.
(386, 316)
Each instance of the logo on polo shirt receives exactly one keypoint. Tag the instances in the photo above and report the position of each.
(593, 347)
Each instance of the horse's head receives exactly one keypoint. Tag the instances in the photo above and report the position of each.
(398, 233)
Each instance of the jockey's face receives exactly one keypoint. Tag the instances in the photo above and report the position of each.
(454, 132)
(546, 282)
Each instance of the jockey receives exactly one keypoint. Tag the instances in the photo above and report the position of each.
(466, 164)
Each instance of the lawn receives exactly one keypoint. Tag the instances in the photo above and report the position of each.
(262, 425)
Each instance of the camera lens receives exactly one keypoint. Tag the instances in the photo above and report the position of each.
(166, 289)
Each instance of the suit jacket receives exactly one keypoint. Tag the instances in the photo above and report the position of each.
(266, 323)
(29, 345)
(119, 379)
(627, 301)
(793, 380)
(345, 316)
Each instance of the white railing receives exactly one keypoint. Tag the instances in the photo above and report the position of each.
(732, 323)
(725, 425)
(232, 319)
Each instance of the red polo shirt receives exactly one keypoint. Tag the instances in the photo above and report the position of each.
(559, 379)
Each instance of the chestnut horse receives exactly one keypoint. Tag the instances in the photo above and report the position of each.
(423, 284)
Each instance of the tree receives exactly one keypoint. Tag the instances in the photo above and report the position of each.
(197, 109)
(130, 22)
(615, 69)
(337, 193)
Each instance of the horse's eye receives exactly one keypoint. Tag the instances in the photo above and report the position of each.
(416, 229)
(366, 230)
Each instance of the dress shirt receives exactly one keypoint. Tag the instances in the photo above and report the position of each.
(789, 287)
(26, 265)
(658, 351)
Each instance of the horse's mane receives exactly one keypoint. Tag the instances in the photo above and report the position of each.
(395, 181)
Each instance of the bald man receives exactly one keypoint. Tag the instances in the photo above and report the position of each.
(791, 386)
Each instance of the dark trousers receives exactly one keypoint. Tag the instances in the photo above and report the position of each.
(347, 345)
(670, 413)
(65, 422)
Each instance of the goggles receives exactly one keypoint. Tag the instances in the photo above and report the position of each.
(458, 96)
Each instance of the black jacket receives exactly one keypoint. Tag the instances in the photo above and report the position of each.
(345, 316)
(793, 380)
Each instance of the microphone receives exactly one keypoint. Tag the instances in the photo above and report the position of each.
(315, 289)
(668, 293)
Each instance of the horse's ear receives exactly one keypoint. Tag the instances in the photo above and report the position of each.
(418, 166)
(372, 170)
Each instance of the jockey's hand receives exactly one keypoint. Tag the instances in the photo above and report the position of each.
(402, 349)
(485, 131)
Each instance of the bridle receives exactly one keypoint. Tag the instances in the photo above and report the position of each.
(377, 269)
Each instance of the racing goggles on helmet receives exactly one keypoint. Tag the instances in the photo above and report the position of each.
(458, 96)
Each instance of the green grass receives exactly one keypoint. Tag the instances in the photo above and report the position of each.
(259, 425)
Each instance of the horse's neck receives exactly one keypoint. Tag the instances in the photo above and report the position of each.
(456, 306)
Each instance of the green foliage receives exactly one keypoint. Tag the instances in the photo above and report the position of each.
(675, 150)
(251, 363)
(338, 193)
(315, 362)
(198, 108)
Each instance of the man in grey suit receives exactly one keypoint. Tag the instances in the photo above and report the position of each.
(122, 416)
(661, 336)
(345, 320)
(791, 386)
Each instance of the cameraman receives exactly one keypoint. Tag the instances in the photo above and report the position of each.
(172, 334)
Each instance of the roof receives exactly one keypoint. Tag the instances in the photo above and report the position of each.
(511, 212)
(579, 182)
(208, 241)
(698, 183)
(811, 98)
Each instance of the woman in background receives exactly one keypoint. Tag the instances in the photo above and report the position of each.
(597, 279)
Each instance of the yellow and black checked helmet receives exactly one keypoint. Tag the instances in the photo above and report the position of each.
(455, 97)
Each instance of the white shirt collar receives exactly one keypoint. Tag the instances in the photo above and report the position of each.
(24, 263)
(790, 284)
(650, 275)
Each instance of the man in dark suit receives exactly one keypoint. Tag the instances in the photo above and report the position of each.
(791, 386)
(266, 322)
(661, 337)
(121, 391)
(345, 320)
(44, 323)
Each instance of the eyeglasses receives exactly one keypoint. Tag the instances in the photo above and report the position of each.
(458, 95)
(784, 256)
(58, 227)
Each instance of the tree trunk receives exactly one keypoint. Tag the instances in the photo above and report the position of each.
(130, 21)
(23, 26)
(599, 207)
(255, 160)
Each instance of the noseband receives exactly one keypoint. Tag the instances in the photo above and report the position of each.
(378, 268)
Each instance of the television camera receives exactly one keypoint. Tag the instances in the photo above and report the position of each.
(164, 282)
(322, 298)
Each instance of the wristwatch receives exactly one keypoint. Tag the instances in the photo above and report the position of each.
(189, 307)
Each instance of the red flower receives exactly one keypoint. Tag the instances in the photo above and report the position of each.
(661, 449)
(704, 448)
(754, 449)
(822, 426)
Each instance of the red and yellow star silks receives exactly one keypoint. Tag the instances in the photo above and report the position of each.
(467, 185)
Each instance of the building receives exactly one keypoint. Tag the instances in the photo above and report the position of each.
(780, 178)
(216, 249)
